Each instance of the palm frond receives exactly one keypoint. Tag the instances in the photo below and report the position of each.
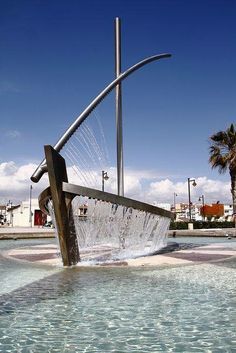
(223, 149)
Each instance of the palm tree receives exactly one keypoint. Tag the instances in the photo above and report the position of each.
(223, 156)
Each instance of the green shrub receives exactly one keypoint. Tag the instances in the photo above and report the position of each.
(201, 225)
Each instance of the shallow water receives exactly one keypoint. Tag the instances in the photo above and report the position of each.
(180, 309)
(204, 240)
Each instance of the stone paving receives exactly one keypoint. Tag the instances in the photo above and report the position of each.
(40, 232)
(25, 232)
(48, 254)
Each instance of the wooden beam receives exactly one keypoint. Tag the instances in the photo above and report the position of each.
(62, 207)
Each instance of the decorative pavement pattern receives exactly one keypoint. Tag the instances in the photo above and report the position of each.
(48, 254)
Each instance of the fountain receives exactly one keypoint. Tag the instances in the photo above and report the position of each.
(186, 305)
(112, 225)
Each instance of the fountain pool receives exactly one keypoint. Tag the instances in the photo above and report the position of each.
(167, 309)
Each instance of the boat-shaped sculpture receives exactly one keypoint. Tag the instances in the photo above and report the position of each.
(88, 220)
(114, 226)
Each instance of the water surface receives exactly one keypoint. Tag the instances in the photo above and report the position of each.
(176, 309)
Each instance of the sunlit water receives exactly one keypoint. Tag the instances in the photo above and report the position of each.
(126, 231)
(119, 232)
(176, 309)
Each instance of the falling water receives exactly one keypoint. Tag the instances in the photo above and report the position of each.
(108, 231)
(87, 154)
(52, 215)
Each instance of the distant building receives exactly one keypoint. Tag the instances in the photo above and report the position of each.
(211, 212)
(3, 214)
(165, 206)
(181, 212)
(19, 215)
(228, 212)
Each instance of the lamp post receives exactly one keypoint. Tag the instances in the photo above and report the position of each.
(189, 196)
(104, 177)
(175, 201)
(201, 198)
(9, 207)
(30, 206)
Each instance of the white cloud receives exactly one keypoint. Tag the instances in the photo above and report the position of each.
(141, 185)
(213, 190)
(13, 134)
(93, 178)
(15, 182)
(7, 169)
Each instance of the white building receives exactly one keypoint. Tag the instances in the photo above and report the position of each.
(182, 212)
(20, 216)
(165, 206)
(228, 212)
(3, 214)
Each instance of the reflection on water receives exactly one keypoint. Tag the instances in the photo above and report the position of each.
(184, 309)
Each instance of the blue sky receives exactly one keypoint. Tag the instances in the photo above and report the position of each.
(56, 56)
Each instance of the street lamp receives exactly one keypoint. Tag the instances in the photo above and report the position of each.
(201, 198)
(30, 206)
(9, 208)
(175, 201)
(104, 177)
(189, 196)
